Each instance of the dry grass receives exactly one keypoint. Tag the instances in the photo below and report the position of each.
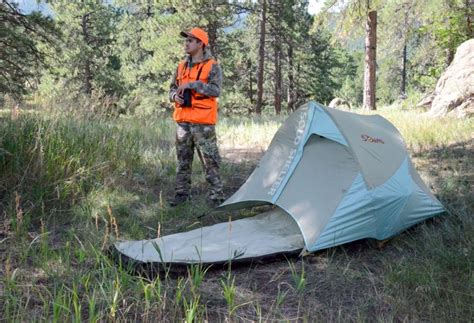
(69, 186)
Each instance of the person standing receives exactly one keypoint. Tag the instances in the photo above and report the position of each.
(194, 90)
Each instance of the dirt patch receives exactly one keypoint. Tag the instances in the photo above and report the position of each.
(345, 283)
(242, 155)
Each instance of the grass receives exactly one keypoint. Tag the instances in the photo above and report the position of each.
(72, 184)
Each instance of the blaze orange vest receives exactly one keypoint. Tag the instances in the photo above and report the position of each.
(203, 108)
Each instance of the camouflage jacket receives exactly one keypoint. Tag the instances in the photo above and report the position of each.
(211, 88)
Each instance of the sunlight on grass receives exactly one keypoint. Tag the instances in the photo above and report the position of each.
(251, 133)
(420, 131)
(72, 184)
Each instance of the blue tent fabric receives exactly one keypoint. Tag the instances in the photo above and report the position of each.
(386, 197)
(325, 126)
(333, 177)
(380, 213)
(313, 204)
(356, 203)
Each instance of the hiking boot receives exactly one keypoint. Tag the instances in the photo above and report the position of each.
(178, 200)
(215, 202)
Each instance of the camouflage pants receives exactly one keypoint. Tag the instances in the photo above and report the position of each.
(203, 138)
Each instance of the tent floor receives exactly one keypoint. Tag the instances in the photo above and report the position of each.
(269, 233)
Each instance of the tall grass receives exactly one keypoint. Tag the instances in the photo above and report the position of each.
(423, 132)
(71, 184)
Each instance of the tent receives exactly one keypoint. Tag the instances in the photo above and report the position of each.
(332, 176)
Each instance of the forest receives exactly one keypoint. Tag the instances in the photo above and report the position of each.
(275, 56)
(88, 155)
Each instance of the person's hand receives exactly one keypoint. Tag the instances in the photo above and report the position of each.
(181, 88)
(178, 99)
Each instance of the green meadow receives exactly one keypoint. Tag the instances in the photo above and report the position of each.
(71, 184)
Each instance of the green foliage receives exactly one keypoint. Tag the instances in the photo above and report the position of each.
(89, 149)
(21, 56)
(86, 61)
(117, 169)
(146, 43)
(239, 65)
(349, 76)
(316, 79)
(122, 55)
(299, 279)
(389, 78)
(429, 31)
(229, 290)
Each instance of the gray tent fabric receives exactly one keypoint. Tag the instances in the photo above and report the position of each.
(376, 143)
(378, 151)
(269, 233)
(312, 205)
(332, 177)
(274, 165)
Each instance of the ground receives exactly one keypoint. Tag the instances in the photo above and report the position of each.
(68, 199)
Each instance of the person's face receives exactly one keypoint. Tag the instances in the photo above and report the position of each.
(192, 45)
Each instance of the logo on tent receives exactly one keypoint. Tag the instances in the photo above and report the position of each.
(372, 139)
(296, 142)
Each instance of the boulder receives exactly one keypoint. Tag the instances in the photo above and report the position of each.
(338, 103)
(426, 101)
(454, 92)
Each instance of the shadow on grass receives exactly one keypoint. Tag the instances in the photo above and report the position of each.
(449, 171)
(446, 171)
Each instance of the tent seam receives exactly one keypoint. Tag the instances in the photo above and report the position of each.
(299, 151)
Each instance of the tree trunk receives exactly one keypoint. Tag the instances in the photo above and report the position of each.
(406, 8)
(87, 80)
(261, 57)
(450, 51)
(469, 6)
(149, 12)
(278, 92)
(370, 60)
(250, 88)
(87, 77)
(291, 80)
(404, 72)
(277, 50)
(212, 32)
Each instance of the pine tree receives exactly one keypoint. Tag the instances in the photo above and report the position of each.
(21, 55)
(261, 56)
(86, 62)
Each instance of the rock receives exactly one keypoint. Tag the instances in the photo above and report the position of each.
(426, 101)
(454, 93)
(338, 103)
(465, 109)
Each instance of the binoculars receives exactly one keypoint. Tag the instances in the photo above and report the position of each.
(186, 98)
